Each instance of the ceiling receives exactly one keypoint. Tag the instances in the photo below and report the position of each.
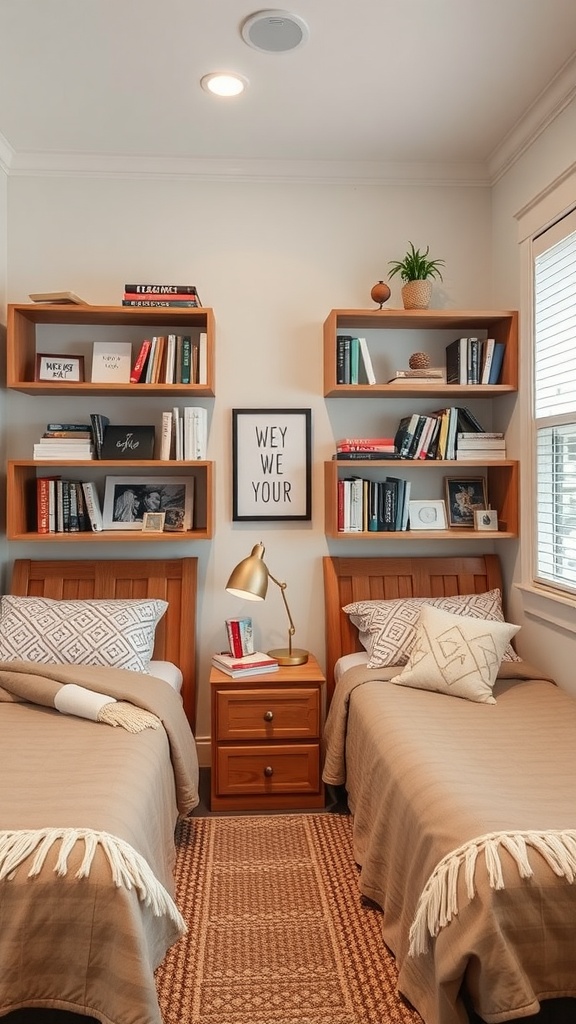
(447, 88)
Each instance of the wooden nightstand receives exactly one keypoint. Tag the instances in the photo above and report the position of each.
(266, 739)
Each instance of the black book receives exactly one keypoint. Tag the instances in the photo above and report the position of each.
(405, 435)
(465, 416)
(161, 289)
(416, 436)
(457, 361)
(390, 497)
(99, 424)
(343, 342)
(128, 443)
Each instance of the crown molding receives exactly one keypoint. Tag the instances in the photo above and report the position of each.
(287, 171)
(546, 108)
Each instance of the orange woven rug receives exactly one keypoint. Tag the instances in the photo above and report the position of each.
(277, 932)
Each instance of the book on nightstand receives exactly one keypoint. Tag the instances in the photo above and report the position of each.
(251, 665)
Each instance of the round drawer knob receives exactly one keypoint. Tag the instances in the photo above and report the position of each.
(268, 716)
(268, 772)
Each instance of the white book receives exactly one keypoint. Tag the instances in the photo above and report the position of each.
(406, 508)
(166, 437)
(487, 354)
(200, 432)
(170, 359)
(178, 434)
(93, 507)
(356, 505)
(150, 361)
(111, 362)
(51, 506)
(203, 358)
(366, 363)
(188, 432)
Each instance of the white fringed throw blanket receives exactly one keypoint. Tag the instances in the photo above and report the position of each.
(438, 903)
(128, 868)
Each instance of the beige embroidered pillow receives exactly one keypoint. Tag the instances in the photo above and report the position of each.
(119, 633)
(387, 628)
(456, 655)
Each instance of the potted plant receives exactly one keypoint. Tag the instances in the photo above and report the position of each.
(417, 272)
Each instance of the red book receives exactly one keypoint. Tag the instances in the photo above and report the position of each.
(234, 637)
(43, 503)
(140, 362)
(167, 297)
(363, 441)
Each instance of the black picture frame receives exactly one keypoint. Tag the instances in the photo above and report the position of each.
(464, 496)
(271, 465)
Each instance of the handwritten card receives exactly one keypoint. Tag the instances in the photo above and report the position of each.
(111, 362)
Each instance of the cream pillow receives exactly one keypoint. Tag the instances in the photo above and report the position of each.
(387, 628)
(119, 634)
(457, 655)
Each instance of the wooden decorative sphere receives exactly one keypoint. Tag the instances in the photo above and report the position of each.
(419, 361)
(380, 293)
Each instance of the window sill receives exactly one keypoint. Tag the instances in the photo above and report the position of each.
(549, 606)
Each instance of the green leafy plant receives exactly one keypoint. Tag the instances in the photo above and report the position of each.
(416, 266)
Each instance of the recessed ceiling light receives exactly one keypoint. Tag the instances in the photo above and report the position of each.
(224, 83)
(275, 31)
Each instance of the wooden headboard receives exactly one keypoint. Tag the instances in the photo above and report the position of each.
(373, 579)
(172, 580)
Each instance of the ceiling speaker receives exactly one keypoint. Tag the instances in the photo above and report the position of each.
(274, 31)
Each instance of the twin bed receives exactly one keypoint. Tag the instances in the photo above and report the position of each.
(464, 810)
(89, 804)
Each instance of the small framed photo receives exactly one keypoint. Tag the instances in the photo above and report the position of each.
(59, 368)
(153, 522)
(464, 497)
(427, 515)
(486, 519)
(127, 500)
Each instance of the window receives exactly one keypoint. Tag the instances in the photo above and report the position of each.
(554, 254)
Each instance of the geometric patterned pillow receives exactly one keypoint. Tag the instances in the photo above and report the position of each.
(119, 634)
(456, 655)
(387, 628)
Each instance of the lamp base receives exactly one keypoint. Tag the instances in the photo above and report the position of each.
(283, 656)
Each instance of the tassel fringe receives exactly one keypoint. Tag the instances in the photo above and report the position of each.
(129, 869)
(129, 716)
(438, 902)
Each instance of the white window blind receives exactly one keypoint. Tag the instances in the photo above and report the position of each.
(555, 403)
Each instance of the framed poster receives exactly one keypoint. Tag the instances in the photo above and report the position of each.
(271, 464)
(464, 497)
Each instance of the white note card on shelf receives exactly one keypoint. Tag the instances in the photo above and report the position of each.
(111, 362)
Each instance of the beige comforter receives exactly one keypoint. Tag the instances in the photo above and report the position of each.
(86, 944)
(427, 775)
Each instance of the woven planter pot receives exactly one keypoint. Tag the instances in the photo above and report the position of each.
(417, 294)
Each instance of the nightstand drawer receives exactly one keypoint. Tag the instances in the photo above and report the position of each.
(286, 768)
(288, 714)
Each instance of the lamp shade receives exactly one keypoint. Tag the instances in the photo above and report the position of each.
(249, 579)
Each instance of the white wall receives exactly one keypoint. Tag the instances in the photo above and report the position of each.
(547, 644)
(272, 260)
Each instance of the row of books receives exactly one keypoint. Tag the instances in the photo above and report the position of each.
(240, 637)
(353, 362)
(67, 506)
(171, 359)
(373, 505)
(474, 361)
(184, 434)
(181, 296)
(434, 436)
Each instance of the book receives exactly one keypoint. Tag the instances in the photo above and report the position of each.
(457, 361)
(354, 360)
(366, 370)
(99, 424)
(161, 289)
(93, 506)
(364, 442)
(240, 636)
(466, 416)
(128, 442)
(43, 504)
(473, 361)
(497, 360)
(202, 375)
(111, 362)
(171, 297)
(480, 454)
(70, 435)
(140, 361)
(58, 298)
(166, 437)
(152, 303)
(168, 375)
(474, 435)
(343, 358)
(256, 659)
(390, 498)
(69, 426)
(55, 452)
(186, 359)
(369, 456)
(487, 355)
(480, 441)
(431, 373)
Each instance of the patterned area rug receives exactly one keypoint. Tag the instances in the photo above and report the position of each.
(277, 931)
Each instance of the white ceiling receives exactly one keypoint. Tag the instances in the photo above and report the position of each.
(451, 88)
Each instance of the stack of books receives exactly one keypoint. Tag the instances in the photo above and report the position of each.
(63, 441)
(252, 665)
(350, 449)
(179, 296)
(171, 359)
(368, 506)
(432, 374)
(474, 361)
(353, 362)
(184, 434)
(484, 447)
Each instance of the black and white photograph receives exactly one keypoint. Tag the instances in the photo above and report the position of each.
(464, 497)
(128, 499)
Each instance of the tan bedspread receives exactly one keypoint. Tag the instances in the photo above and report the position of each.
(426, 773)
(85, 945)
